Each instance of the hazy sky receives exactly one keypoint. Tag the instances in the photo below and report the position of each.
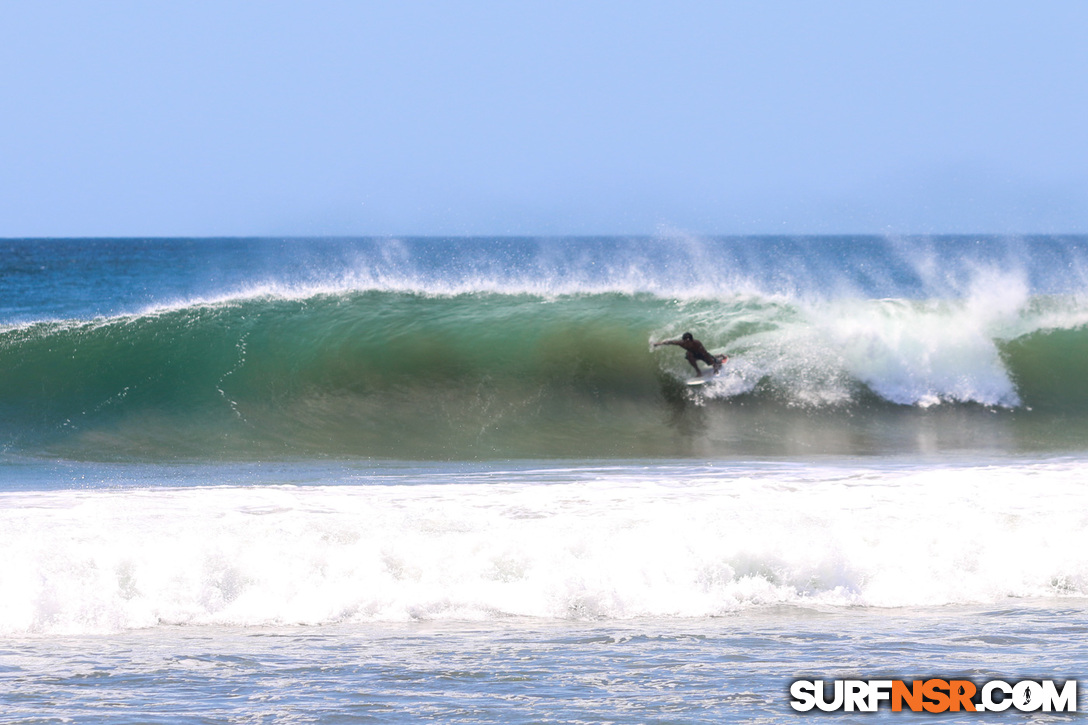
(517, 117)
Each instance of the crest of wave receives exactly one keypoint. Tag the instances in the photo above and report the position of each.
(909, 352)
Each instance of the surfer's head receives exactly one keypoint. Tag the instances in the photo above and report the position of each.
(687, 336)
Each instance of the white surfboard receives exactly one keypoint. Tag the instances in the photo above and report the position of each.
(709, 375)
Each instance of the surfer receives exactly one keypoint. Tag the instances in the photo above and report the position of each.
(696, 351)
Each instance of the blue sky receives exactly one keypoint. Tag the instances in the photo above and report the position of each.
(535, 118)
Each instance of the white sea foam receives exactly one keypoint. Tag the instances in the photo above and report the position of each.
(620, 543)
(909, 352)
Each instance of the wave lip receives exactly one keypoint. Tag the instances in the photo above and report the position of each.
(83, 278)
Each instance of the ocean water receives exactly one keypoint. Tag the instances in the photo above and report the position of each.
(394, 480)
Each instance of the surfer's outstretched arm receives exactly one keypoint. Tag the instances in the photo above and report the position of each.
(693, 352)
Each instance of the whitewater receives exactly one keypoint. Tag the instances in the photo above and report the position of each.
(596, 542)
(394, 479)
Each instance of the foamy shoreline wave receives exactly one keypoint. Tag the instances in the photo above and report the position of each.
(634, 542)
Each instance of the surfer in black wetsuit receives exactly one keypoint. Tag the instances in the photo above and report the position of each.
(696, 351)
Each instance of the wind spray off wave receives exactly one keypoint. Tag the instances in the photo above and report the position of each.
(521, 350)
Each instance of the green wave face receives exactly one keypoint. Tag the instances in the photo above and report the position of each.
(1050, 369)
(404, 375)
(372, 374)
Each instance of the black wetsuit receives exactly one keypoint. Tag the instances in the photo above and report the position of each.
(694, 350)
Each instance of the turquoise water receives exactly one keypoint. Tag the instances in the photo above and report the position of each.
(390, 480)
(509, 349)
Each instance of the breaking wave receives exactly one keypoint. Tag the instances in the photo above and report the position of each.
(482, 374)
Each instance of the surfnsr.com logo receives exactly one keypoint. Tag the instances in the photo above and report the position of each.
(934, 695)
